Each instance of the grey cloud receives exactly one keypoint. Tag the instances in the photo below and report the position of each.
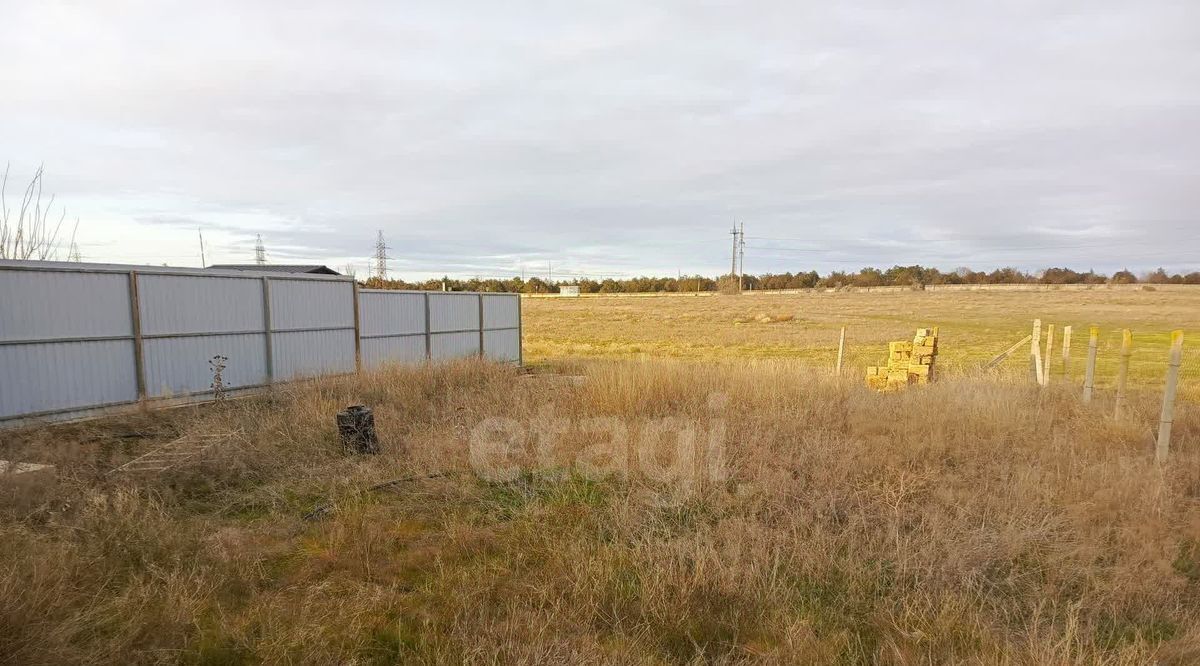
(624, 137)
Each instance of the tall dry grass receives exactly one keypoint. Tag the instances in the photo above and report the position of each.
(965, 522)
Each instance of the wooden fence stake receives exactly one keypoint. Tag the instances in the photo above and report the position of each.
(1049, 355)
(1089, 374)
(1123, 371)
(1066, 352)
(1168, 407)
(841, 350)
(1035, 352)
(1004, 354)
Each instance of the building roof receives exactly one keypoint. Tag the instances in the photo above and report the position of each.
(277, 268)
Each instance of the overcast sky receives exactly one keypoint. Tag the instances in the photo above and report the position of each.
(614, 137)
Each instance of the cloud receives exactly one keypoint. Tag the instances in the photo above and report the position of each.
(617, 137)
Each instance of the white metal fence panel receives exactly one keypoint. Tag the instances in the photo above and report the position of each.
(49, 377)
(76, 337)
(454, 312)
(501, 311)
(392, 327)
(312, 327)
(177, 366)
(384, 313)
(377, 352)
(43, 305)
(446, 346)
(502, 345)
(307, 304)
(307, 353)
(175, 304)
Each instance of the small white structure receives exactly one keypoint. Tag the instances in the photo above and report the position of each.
(571, 290)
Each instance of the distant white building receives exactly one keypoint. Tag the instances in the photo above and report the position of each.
(568, 290)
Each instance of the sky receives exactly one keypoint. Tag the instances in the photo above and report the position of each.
(613, 138)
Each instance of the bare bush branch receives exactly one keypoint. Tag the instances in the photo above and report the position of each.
(31, 234)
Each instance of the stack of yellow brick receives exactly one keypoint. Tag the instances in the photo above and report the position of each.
(908, 362)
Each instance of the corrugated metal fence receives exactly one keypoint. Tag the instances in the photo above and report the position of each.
(79, 337)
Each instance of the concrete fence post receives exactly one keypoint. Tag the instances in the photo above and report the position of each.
(1168, 406)
(841, 350)
(1048, 361)
(1089, 374)
(1123, 371)
(1066, 353)
(1035, 352)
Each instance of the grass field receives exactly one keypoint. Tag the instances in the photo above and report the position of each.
(975, 326)
(750, 508)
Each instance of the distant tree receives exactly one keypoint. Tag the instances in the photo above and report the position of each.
(1123, 277)
(536, 285)
(1159, 276)
(1061, 276)
(868, 277)
(1008, 275)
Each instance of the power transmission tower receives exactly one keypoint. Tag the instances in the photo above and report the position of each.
(733, 260)
(741, 254)
(381, 257)
(260, 252)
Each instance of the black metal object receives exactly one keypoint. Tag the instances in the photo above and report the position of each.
(356, 429)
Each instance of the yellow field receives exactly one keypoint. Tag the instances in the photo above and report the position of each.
(974, 326)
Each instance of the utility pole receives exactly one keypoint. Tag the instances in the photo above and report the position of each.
(260, 252)
(381, 257)
(203, 263)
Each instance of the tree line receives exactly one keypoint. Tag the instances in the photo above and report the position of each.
(897, 276)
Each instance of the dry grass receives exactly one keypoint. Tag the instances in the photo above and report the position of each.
(975, 326)
(967, 522)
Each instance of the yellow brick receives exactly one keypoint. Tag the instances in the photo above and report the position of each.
(901, 346)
